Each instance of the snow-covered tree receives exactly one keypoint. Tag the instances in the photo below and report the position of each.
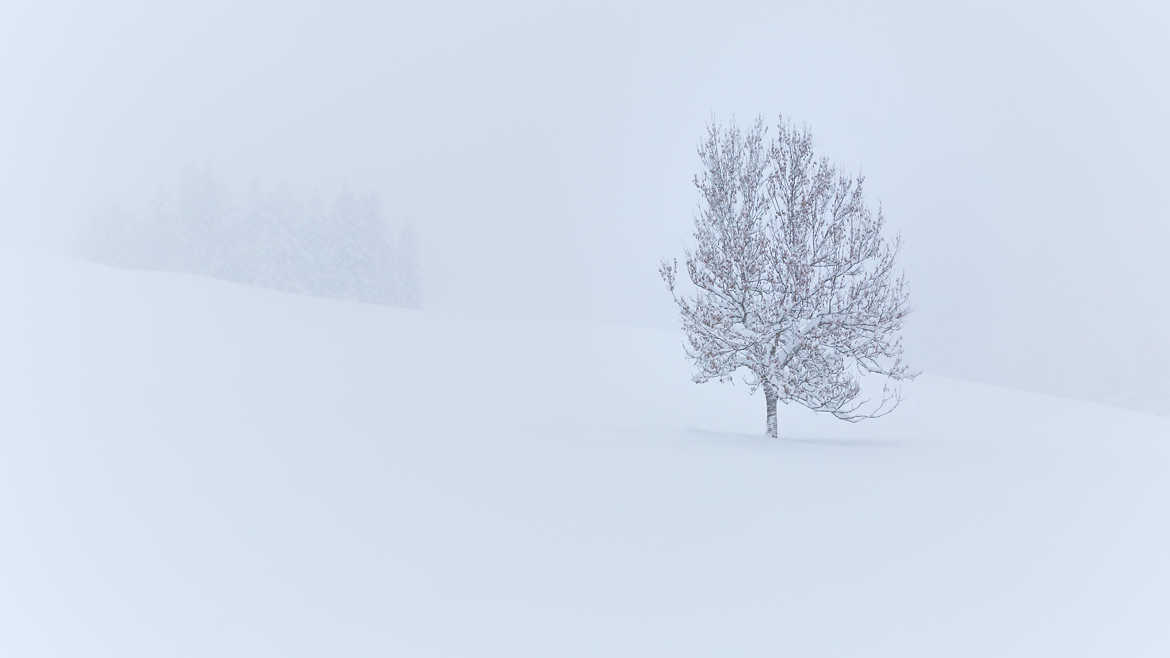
(794, 284)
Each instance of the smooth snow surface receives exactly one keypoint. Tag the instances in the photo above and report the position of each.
(194, 468)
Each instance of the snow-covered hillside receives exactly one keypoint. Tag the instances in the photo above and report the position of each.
(194, 468)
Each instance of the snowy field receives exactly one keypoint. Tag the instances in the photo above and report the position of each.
(195, 468)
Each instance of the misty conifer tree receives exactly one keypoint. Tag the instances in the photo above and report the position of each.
(269, 236)
(794, 285)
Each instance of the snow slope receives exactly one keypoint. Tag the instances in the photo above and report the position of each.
(194, 468)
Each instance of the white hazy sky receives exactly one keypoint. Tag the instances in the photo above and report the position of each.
(544, 150)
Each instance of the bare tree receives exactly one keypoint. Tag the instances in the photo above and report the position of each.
(793, 280)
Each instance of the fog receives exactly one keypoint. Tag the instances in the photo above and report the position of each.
(544, 153)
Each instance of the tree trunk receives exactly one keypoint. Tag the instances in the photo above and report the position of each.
(770, 398)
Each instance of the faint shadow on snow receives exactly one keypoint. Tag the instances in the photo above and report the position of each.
(741, 438)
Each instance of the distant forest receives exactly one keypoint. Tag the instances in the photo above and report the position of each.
(341, 247)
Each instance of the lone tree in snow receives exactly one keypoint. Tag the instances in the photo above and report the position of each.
(793, 280)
